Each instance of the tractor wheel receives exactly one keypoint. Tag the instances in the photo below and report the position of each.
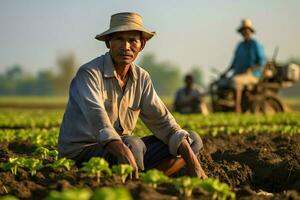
(271, 104)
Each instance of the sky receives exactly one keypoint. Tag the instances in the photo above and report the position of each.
(196, 32)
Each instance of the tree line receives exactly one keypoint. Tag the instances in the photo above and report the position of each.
(166, 77)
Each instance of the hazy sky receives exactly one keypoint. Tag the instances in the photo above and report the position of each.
(198, 32)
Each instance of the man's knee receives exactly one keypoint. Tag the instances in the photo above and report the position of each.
(138, 149)
(197, 143)
(135, 143)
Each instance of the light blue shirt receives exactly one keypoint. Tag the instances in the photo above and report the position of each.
(248, 54)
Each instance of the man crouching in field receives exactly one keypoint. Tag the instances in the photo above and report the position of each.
(107, 96)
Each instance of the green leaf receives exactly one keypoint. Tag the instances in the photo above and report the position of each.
(122, 170)
(154, 177)
(111, 194)
(70, 194)
(95, 166)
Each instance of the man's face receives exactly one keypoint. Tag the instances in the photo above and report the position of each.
(246, 33)
(125, 46)
(188, 82)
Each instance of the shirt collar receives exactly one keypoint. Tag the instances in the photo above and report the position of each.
(109, 68)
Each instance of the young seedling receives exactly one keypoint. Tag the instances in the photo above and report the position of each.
(153, 177)
(220, 191)
(95, 166)
(111, 194)
(70, 194)
(62, 163)
(122, 170)
(54, 154)
(13, 164)
(185, 185)
(41, 151)
(33, 165)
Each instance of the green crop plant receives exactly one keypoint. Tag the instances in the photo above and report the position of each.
(185, 185)
(41, 151)
(7, 135)
(8, 197)
(53, 154)
(220, 191)
(44, 153)
(95, 166)
(107, 193)
(122, 170)
(153, 177)
(70, 194)
(13, 164)
(25, 118)
(62, 163)
(32, 164)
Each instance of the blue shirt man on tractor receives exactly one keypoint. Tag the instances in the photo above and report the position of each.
(248, 62)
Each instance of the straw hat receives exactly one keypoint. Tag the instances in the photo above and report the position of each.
(126, 21)
(246, 23)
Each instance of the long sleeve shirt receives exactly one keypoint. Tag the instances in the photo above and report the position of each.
(99, 111)
(248, 54)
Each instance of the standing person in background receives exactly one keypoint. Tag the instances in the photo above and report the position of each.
(248, 62)
(189, 99)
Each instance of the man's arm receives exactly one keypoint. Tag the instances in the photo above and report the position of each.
(88, 95)
(158, 119)
(234, 60)
(192, 163)
(163, 125)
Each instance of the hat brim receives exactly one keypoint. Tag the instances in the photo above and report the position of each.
(145, 33)
(244, 27)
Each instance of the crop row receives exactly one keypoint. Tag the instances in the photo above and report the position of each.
(25, 118)
(97, 167)
(18, 118)
(48, 137)
(104, 193)
(37, 137)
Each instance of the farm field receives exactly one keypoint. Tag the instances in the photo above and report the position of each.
(258, 157)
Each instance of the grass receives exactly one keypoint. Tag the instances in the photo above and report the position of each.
(33, 100)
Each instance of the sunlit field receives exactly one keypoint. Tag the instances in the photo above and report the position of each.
(245, 156)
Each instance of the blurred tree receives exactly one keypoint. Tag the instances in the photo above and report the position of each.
(45, 82)
(9, 81)
(67, 66)
(26, 85)
(15, 82)
(15, 72)
(4, 84)
(165, 75)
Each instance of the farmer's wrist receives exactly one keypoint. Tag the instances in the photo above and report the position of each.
(116, 147)
(188, 155)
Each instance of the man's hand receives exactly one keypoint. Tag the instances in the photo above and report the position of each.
(193, 165)
(124, 156)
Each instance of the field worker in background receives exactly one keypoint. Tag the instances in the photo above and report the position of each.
(189, 99)
(109, 94)
(248, 61)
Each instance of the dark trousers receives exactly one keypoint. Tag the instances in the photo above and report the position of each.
(148, 151)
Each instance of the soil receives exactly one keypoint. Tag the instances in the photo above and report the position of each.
(260, 166)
